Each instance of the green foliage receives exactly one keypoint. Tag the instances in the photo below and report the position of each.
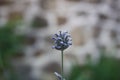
(10, 44)
(108, 68)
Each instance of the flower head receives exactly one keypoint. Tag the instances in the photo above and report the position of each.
(62, 41)
(59, 77)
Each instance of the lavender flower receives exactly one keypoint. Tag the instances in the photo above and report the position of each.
(59, 77)
(62, 41)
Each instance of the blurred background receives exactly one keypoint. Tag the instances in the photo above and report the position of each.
(27, 27)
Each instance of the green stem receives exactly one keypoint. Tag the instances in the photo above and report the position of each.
(1, 60)
(62, 65)
(2, 64)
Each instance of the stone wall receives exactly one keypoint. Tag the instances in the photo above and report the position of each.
(93, 24)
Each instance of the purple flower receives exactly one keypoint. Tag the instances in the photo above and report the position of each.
(62, 41)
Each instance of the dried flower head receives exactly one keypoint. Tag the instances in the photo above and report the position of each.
(62, 41)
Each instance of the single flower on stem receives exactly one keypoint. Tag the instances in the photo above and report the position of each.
(62, 41)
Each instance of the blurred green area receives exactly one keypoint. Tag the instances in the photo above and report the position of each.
(108, 68)
(10, 44)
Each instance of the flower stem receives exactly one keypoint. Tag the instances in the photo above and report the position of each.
(2, 65)
(62, 65)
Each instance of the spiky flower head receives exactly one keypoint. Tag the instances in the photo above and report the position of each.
(62, 41)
